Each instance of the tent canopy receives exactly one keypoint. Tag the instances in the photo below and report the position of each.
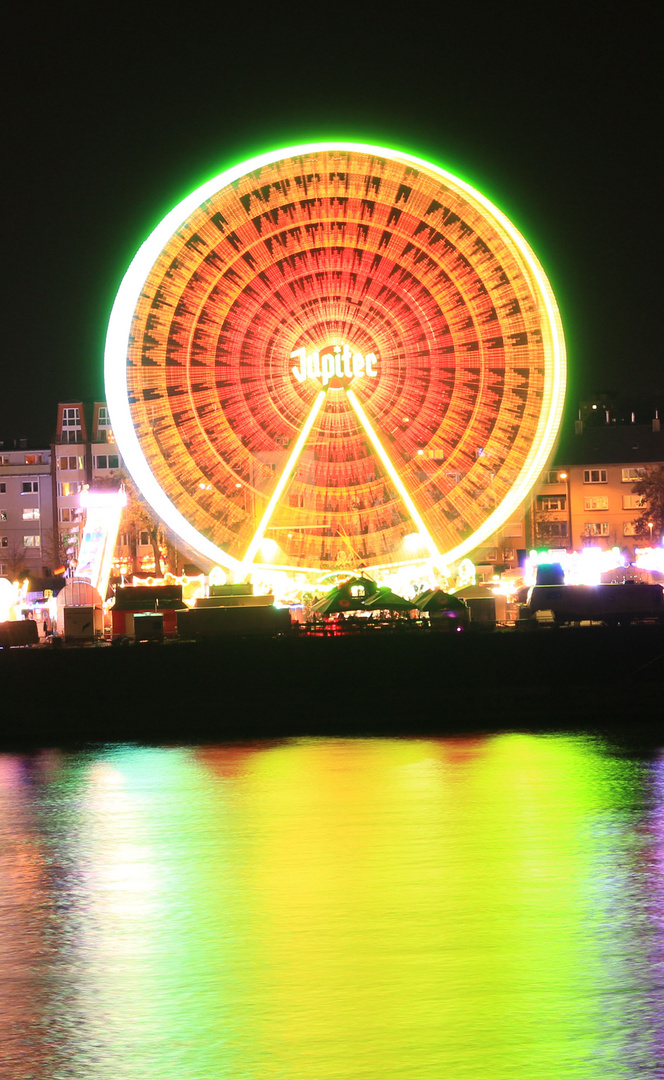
(438, 600)
(349, 596)
(386, 600)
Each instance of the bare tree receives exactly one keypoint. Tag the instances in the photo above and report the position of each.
(14, 559)
(137, 517)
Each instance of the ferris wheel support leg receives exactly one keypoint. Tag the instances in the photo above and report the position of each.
(257, 538)
(394, 477)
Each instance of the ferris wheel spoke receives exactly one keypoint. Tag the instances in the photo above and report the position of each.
(393, 474)
(257, 538)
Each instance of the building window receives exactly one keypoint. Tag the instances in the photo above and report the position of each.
(4, 541)
(102, 461)
(32, 541)
(596, 502)
(357, 590)
(71, 418)
(513, 528)
(31, 513)
(633, 502)
(631, 476)
(594, 476)
(69, 513)
(70, 464)
(103, 420)
(144, 539)
(3, 569)
(69, 487)
(596, 528)
(5, 461)
(547, 530)
(553, 477)
(629, 528)
(33, 459)
(3, 515)
(3, 488)
(29, 486)
(551, 502)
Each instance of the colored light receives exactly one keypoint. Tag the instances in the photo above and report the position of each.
(195, 420)
(283, 480)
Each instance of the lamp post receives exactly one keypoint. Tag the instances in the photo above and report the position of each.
(565, 476)
(650, 526)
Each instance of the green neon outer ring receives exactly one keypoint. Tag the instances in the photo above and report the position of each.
(119, 328)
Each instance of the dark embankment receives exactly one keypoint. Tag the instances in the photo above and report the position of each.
(399, 685)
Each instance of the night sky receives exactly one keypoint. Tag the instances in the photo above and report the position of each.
(111, 120)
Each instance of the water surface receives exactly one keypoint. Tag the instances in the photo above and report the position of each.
(484, 907)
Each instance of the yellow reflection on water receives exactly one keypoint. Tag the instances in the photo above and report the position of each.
(471, 907)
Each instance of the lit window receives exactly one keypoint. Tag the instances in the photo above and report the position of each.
(629, 528)
(547, 530)
(3, 515)
(357, 590)
(633, 502)
(31, 513)
(69, 487)
(32, 541)
(551, 502)
(596, 502)
(631, 476)
(69, 513)
(596, 528)
(594, 476)
(552, 477)
(33, 459)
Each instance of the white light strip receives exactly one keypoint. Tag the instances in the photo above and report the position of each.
(394, 476)
(281, 483)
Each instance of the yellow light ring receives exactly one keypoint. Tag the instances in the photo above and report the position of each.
(150, 255)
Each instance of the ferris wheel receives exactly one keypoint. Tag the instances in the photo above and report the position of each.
(335, 354)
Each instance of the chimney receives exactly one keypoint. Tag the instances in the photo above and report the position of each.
(655, 423)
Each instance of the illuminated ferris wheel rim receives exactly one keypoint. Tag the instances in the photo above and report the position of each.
(122, 314)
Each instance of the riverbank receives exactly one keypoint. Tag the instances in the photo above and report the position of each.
(589, 677)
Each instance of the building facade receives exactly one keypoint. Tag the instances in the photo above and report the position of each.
(28, 526)
(586, 497)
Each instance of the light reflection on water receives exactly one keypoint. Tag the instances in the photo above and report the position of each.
(373, 908)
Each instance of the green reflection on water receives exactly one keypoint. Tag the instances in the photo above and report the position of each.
(335, 908)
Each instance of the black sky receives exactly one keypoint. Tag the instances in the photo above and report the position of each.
(111, 119)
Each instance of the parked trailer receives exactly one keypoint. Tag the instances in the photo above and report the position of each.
(611, 604)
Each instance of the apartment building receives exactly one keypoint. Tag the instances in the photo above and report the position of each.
(28, 527)
(586, 497)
